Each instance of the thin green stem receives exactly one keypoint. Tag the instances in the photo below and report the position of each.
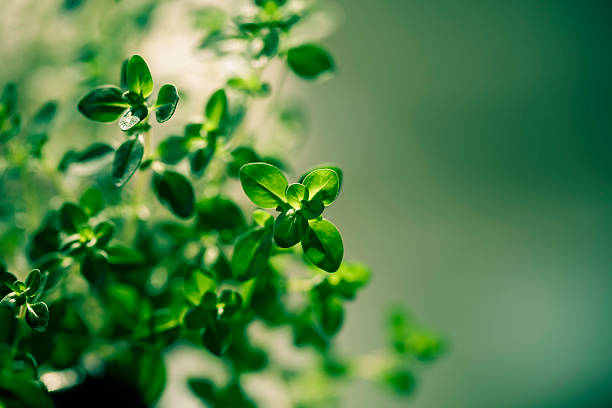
(20, 318)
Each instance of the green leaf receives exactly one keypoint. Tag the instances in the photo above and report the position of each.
(216, 111)
(39, 127)
(199, 317)
(323, 185)
(193, 130)
(32, 282)
(323, 245)
(71, 217)
(196, 285)
(349, 279)
(270, 43)
(289, 229)
(251, 253)
(203, 388)
(249, 85)
(37, 316)
(201, 158)
(16, 285)
(167, 99)
(264, 184)
(127, 160)
(217, 338)
(262, 218)
(103, 233)
(9, 99)
(264, 3)
(173, 149)
(8, 322)
(331, 315)
(94, 152)
(103, 104)
(43, 116)
(175, 192)
(13, 300)
(296, 193)
(229, 304)
(123, 76)
(132, 117)
(151, 377)
(94, 267)
(133, 98)
(329, 166)
(91, 153)
(312, 209)
(309, 61)
(124, 256)
(7, 281)
(138, 76)
(220, 214)
(12, 127)
(399, 380)
(240, 156)
(92, 201)
(29, 393)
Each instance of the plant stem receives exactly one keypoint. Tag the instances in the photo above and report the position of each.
(140, 188)
(21, 318)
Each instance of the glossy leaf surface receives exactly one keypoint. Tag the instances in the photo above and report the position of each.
(264, 184)
(103, 104)
(127, 160)
(167, 99)
(323, 245)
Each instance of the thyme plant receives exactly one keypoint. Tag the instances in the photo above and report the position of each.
(156, 250)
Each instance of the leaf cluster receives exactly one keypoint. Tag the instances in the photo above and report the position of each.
(158, 246)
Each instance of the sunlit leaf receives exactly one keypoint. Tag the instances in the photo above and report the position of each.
(138, 76)
(264, 184)
(323, 245)
(323, 185)
(216, 111)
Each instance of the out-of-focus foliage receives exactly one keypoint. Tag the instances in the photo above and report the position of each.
(150, 249)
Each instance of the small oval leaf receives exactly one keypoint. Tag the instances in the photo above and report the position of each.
(216, 111)
(323, 245)
(33, 283)
(132, 117)
(264, 184)
(167, 99)
(127, 160)
(309, 61)
(103, 104)
(175, 192)
(296, 193)
(37, 316)
(138, 76)
(251, 253)
(323, 184)
(289, 229)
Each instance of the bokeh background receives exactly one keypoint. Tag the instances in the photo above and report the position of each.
(475, 137)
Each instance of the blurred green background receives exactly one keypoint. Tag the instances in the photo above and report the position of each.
(476, 142)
